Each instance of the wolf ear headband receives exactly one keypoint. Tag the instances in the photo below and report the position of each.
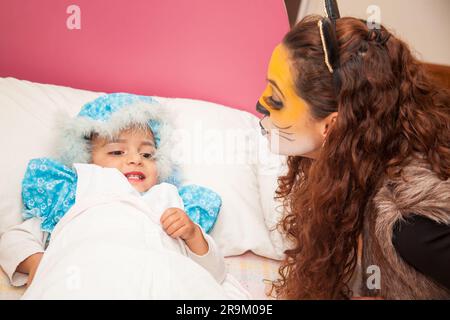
(327, 28)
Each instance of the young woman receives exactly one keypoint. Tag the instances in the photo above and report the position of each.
(368, 139)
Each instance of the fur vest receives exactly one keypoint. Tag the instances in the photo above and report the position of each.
(420, 192)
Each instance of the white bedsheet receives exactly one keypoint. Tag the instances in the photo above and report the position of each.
(110, 246)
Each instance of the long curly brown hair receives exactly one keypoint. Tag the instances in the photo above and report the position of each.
(388, 111)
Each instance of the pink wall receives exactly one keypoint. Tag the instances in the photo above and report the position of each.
(214, 50)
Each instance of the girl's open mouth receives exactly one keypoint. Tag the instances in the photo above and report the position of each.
(135, 176)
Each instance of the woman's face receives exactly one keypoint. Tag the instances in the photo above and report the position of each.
(288, 124)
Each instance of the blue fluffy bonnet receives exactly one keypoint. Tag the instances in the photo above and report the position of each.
(49, 187)
(107, 116)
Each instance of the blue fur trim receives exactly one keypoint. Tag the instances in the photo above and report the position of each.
(107, 116)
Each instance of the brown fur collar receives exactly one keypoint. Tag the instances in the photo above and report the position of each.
(417, 191)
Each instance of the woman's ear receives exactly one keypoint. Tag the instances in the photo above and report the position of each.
(328, 123)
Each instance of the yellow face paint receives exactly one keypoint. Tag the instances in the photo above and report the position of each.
(279, 97)
(288, 124)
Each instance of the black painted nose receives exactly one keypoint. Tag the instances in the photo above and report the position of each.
(261, 109)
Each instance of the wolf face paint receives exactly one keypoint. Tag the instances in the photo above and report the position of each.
(288, 122)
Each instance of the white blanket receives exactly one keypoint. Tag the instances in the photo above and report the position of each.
(110, 245)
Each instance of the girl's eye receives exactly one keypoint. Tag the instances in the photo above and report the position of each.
(274, 103)
(116, 153)
(147, 155)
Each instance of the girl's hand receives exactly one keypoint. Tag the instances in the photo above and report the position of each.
(177, 224)
(30, 265)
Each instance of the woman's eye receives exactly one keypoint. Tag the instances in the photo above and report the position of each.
(147, 155)
(275, 103)
(116, 153)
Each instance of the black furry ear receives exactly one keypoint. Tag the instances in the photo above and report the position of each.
(329, 43)
(327, 27)
(332, 10)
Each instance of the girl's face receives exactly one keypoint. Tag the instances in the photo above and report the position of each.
(289, 126)
(132, 153)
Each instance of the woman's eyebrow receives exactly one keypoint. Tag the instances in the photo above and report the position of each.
(276, 86)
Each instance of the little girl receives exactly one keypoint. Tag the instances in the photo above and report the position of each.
(109, 216)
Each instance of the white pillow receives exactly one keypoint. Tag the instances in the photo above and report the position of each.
(223, 149)
(216, 147)
(27, 112)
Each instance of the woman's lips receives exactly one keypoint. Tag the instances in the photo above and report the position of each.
(135, 176)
